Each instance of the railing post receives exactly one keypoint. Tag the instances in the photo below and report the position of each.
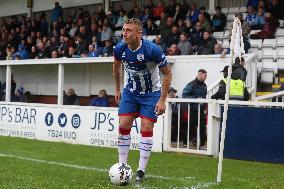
(167, 126)
(8, 83)
(60, 84)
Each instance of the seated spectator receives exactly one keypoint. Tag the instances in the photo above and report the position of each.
(205, 24)
(276, 9)
(101, 100)
(207, 44)
(28, 97)
(158, 9)
(188, 27)
(184, 45)
(120, 20)
(71, 98)
(56, 12)
(19, 95)
(173, 50)
(252, 18)
(42, 52)
(218, 49)
(72, 53)
(193, 13)
(261, 15)
(106, 33)
(33, 53)
(173, 37)
(179, 14)
(197, 34)
(54, 54)
(269, 28)
(22, 52)
(13, 88)
(93, 51)
(219, 20)
(81, 44)
(150, 28)
(108, 49)
(159, 42)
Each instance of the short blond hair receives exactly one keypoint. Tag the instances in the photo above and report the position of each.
(135, 21)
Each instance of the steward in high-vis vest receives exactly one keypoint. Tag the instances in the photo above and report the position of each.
(238, 89)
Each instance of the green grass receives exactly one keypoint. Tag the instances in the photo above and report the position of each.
(165, 170)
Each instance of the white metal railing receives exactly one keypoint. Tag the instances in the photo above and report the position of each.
(273, 97)
(213, 123)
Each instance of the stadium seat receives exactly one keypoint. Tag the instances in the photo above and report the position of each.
(230, 17)
(266, 76)
(269, 43)
(218, 35)
(259, 67)
(269, 54)
(226, 34)
(257, 52)
(256, 43)
(151, 37)
(280, 32)
(280, 63)
(280, 53)
(226, 43)
(225, 10)
(280, 42)
(234, 10)
(268, 65)
(243, 9)
(219, 41)
(281, 25)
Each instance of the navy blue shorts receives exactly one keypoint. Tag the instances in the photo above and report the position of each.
(137, 105)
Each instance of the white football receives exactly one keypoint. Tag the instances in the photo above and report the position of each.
(120, 174)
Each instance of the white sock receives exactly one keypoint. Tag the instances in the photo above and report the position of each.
(123, 146)
(145, 147)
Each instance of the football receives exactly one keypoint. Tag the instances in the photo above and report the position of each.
(120, 174)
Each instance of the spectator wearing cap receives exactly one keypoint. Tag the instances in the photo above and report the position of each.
(196, 89)
(220, 94)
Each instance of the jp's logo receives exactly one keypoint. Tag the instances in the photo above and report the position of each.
(48, 119)
(62, 120)
(76, 121)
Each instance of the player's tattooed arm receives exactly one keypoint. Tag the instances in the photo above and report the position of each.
(117, 75)
(161, 106)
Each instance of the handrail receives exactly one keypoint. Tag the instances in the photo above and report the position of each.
(269, 96)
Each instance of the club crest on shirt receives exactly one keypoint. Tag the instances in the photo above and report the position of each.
(123, 55)
(140, 57)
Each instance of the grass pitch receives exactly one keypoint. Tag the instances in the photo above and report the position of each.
(36, 164)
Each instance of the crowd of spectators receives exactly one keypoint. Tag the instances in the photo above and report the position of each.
(184, 29)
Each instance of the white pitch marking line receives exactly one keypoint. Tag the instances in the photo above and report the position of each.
(88, 168)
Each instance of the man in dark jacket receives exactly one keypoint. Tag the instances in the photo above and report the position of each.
(220, 94)
(239, 69)
(71, 98)
(196, 89)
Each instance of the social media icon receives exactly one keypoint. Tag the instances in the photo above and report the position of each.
(49, 119)
(62, 120)
(76, 121)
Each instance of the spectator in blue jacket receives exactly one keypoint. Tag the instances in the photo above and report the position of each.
(101, 100)
(56, 12)
(22, 52)
(196, 89)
